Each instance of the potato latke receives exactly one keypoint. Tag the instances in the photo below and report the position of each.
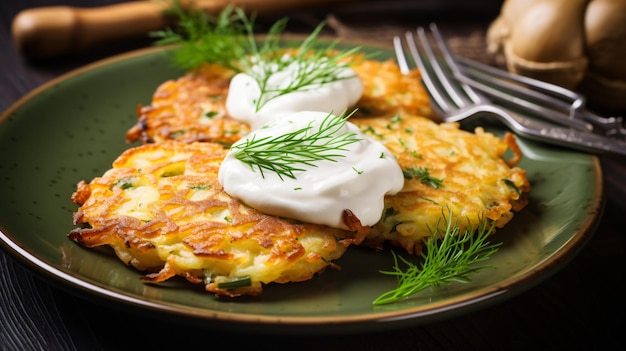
(163, 210)
(445, 169)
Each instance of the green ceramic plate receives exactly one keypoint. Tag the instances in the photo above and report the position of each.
(73, 128)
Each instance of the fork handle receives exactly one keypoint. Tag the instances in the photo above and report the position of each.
(552, 134)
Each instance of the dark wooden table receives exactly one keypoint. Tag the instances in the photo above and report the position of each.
(581, 307)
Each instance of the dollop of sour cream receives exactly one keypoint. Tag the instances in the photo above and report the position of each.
(335, 96)
(320, 193)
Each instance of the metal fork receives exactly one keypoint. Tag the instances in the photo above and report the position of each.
(456, 101)
(538, 97)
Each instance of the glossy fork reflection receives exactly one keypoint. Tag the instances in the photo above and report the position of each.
(456, 101)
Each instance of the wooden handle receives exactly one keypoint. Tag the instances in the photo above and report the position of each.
(53, 31)
(47, 32)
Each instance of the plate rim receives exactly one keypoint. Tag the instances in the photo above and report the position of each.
(424, 313)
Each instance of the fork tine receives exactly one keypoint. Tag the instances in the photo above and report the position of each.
(563, 99)
(439, 100)
(542, 105)
(447, 55)
(576, 100)
(558, 99)
(400, 57)
(493, 78)
(466, 83)
(571, 99)
(453, 92)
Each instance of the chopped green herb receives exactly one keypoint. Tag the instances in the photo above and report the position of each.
(200, 187)
(171, 173)
(211, 114)
(429, 200)
(509, 183)
(424, 176)
(235, 283)
(372, 131)
(125, 183)
(177, 134)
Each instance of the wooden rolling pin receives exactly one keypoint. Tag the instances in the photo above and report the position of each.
(53, 31)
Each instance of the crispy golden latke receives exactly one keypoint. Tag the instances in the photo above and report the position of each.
(388, 92)
(445, 168)
(192, 107)
(162, 210)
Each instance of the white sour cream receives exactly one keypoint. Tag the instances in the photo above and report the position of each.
(358, 182)
(336, 96)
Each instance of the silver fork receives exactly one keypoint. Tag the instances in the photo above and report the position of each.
(535, 96)
(456, 101)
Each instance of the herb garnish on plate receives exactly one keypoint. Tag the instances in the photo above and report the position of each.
(450, 255)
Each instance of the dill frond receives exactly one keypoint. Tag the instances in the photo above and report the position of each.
(203, 38)
(448, 257)
(287, 153)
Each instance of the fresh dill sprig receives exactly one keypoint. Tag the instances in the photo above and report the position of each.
(287, 153)
(445, 259)
(203, 38)
(309, 66)
(229, 40)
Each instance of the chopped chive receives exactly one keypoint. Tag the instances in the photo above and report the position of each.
(235, 283)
